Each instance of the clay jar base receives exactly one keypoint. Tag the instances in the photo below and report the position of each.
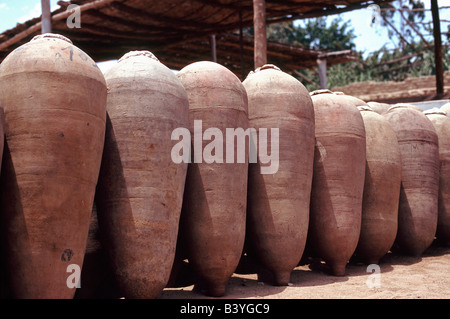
(216, 290)
(275, 278)
(371, 261)
(337, 268)
(368, 260)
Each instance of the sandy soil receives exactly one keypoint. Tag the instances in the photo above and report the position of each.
(425, 277)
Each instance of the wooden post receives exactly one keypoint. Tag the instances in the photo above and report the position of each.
(46, 18)
(437, 49)
(213, 48)
(322, 66)
(259, 23)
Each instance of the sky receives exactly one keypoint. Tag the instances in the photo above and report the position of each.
(368, 38)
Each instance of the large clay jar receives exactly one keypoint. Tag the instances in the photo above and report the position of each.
(441, 123)
(379, 107)
(140, 187)
(338, 179)
(381, 188)
(418, 206)
(215, 198)
(278, 202)
(54, 98)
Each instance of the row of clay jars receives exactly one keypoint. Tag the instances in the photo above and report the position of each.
(400, 181)
(208, 247)
(420, 203)
(441, 125)
(123, 196)
(418, 206)
(401, 157)
(415, 154)
(55, 102)
(276, 222)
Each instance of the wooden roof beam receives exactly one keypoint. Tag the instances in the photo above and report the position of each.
(155, 17)
(129, 23)
(234, 6)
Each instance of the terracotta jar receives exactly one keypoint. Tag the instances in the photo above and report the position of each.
(215, 198)
(338, 179)
(381, 188)
(441, 123)
(278, 203)
(54, 97)
(140, 187)
(418, 206)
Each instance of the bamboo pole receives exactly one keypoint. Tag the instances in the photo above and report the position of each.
(46, 17)
(437, 49)
(259, 22)
(63, 15)
(212, 41)
(322, 70)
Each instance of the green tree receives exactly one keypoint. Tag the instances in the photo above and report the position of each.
(315, 34)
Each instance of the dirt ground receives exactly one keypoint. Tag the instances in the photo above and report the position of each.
(403, 277)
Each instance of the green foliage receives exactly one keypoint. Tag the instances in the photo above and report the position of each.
(315, 34)
(380, 65)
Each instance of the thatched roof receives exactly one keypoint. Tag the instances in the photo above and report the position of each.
(178, 31)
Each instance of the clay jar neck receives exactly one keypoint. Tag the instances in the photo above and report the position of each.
(268, 67)
(398, 106)
(435, 111)
(264, 67)
(144, 53)
(365, 108)
(51, 36)
(322, 91)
